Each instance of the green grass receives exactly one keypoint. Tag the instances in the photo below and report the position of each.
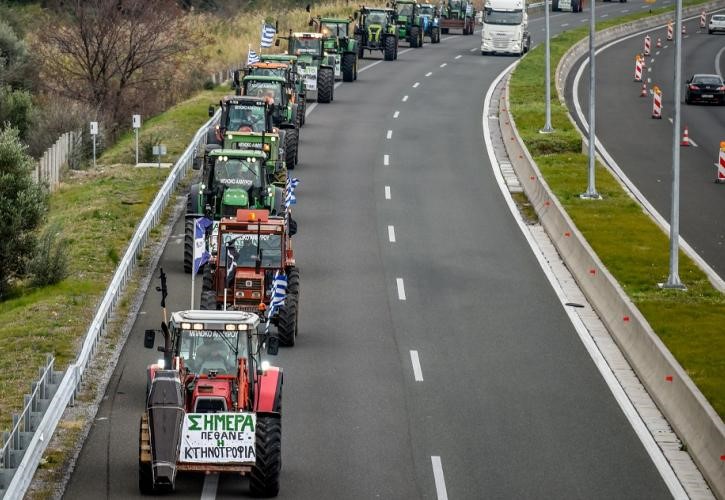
(629, 243)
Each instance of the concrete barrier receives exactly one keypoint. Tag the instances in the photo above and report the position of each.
(691, 416)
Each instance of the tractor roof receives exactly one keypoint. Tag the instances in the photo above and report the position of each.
(306, 34)
(406, 1)
(345, 20)
(238, 153)
(378, 9)
(244, 99)
(270, 64)
(261, 78)
(278, 57)
(214, 320)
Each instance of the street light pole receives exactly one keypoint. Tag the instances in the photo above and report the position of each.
(547, 126)
(591, 193)
(673, 280)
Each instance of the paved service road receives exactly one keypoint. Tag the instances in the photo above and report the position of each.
(642, 146)
(434, 360)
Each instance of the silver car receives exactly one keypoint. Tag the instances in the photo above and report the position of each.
(717, 23)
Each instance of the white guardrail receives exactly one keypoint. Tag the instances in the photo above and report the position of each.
(73, 377)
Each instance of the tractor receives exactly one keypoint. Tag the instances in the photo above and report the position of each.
(299, 83)
(212, 404)
(409, 22)
(247, 252)
(376, 30)
(293, 83)
(338, 42)
(458, 14)
(431, 21)
(315, 66)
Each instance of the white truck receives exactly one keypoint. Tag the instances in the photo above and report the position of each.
(505, 27)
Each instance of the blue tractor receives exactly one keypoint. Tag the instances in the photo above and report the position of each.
(430, 18)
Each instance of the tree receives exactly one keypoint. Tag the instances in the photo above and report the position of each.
(13, 56)
(16, 108)
(111, 54)
(23, 205)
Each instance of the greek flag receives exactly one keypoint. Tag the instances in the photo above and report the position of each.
(201, 254)
(268, 33)
(289, 195)
(252, 57)
(279, 292)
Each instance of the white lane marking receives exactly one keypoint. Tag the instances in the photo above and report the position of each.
(387, 192)
(670, 119)
(649, 70)
(718, 70)
(401, 288)
(580, 20)
(564, 25)
(635, 420)
(430, 73)
(603, 16)
(440, 481)
(651, 61)
(386, 160)
(656, 53)
(416, 84)
(389, 134)
(474, 49)
(649, 80)
(391, 234)
(405, 98)
(397, 113)
(446, 64)
(417, 372)
(641, 7)
(693, 143)
(623, 10)
(208, 492)
(458, 56)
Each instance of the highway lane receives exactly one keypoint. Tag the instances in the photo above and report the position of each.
(642, 146)
(500, 389)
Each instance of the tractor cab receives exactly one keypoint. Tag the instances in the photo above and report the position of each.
(243, 113)
(306, 46)
(274, 90)
(376, 30)
(405, 9)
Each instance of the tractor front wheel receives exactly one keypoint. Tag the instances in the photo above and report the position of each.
(414, 37)
(348, 67)
(188, 245)
(390, 48)
(291, 146)
(264, 478)
(325, 85)
(208, 300)
(435, 35)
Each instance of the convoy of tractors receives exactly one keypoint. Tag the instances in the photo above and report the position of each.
(213, 405)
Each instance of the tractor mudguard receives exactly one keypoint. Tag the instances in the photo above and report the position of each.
(269, 391)
(165, 407)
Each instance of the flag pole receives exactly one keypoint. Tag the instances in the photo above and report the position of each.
(193, 273)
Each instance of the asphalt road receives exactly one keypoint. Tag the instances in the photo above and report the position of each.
(642, 146)
(504, 401)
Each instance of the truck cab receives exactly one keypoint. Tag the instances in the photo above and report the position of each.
(505, 27)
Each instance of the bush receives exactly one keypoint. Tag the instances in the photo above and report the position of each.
(146, 148)
(50, 261)
(16, 108)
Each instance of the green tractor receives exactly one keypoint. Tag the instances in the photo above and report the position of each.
(232, 179)
(376, 30)
(339, 43)
(294, 76)
(458, 14)
(409, 21)
(315, 66)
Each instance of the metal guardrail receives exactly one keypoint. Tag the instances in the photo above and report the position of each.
(33, 444)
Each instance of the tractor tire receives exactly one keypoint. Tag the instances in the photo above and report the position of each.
(278, 201)
(390, 48)
(207, 282)
(211, 136)
(435, 35)
(349, 64)
(325, 85)
(444, 31)
(293, 280)
(264, 478)
(414, 37)
(291, 146)
(145, 479)
(360, 48)
(554, 5)
(287, 320)
(208, 300)
(188, 245)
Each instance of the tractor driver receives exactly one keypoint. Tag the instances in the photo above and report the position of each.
(246, 253)
(213, 353)
(246, 120)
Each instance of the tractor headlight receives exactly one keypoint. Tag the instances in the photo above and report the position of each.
(265, 366)
(161, 363)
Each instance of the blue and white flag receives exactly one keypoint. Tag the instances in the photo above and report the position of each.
(289, 194)
(279, 292)
(252, 57)
(231, 264)
(268, 33)
(201, 254)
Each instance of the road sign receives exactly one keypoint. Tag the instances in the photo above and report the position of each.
(136, 121)
(159, 149)
(94, 128)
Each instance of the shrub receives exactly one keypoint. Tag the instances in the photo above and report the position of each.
(50, 261)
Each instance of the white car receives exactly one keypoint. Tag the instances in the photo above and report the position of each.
(717, 23)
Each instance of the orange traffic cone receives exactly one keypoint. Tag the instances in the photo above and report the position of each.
(643, 93)
(685, 138)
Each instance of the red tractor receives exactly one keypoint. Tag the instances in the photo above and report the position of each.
(247, 252)
(212, 405)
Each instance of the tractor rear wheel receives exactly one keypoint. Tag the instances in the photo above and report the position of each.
(325, 85)
(291, 145)
(435, 35)
(414, 37)
(389, 52)
(264, 478)
(348, 67)
(208, 279)
(287, 320)
(360, 48)
(188, 245)
(208, 300)
(293, 280)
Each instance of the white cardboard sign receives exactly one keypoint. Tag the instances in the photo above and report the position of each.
(136, 121)
(94, 128)
(221, 438)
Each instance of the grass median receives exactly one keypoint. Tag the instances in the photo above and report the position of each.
(629, 243)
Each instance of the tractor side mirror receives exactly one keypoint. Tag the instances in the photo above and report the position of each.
(292, 227)
(689, 80)
(272, 345)
(211, 110)
(356, 15)
(236, 78)
(196, 164)
(149, 339)
(276, 42)
(258, 261)
(307, 8)
(311, 23)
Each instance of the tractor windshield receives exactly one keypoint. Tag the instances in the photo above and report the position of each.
(280, 72)
(404, 9)
(427, 10)
(243, 248)
(338, 30)
(238, 172)
(305, 46)
(514, 17)
(264, 89)
(243, 117)
(377, 18)
(205, 351)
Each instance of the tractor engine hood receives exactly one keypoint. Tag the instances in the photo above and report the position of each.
(235, 197)
(165, 407)
(212, 395)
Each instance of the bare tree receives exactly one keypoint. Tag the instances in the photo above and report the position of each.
(111, 54)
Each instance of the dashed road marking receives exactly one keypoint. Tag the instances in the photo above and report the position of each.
(605, 15)
(405, 98)
(401, 288)
(416, 84)
(649, 70)
(396, 114)
(440, 481)
(415, 361)
(474, 49)
(665, 46)
(389, 134)
(391, 234)
(386, 160)
(649, 80)
(443, 65)
(652, 60)
(564, 25)
(208, 491)
(458, 56)
(656, 53)
(387, 192)
(623, 10)
(429, 73)
(670, 119)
